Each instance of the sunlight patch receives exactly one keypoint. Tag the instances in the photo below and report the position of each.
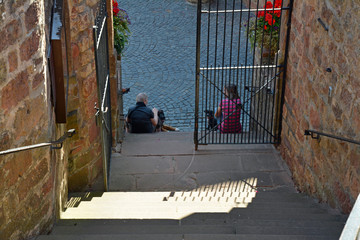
(217, 198)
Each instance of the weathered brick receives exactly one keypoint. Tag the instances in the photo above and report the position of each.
(30, 46)
(88, 111)
(97, 168)
(79, 180)
(3, 70)
(2, 216)
(314, 118)
(343, 198)
(337, 111)
(84, 72)
(14, 5)
(15, 91)
(38, 79)
(75, 50)
(4, 43)
(84, 159)
(73, 122)
(89, 86)
(33, 112)
(86, 57)
(48, 186)
(13, 61)
(81, 22)
(5, 140)
(355, 184)
(32, 16)
(37, 174)
(85, 43)
(14, 31)
(94, 131)
(326, 14)
(16, 167)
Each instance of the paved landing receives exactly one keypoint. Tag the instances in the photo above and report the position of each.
(160, 58)
(168, 161)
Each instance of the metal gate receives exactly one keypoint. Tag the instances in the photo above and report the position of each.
(240, 71)
(103, 84)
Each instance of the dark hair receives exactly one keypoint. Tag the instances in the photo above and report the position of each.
(232, 92)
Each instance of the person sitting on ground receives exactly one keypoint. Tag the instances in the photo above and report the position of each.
(229, 111)
(140, 118)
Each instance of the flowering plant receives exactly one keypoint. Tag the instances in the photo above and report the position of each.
(263, 30)
(121, 29)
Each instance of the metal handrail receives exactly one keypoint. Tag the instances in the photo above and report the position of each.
(60, 141)
(316, 135)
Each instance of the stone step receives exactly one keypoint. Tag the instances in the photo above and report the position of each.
(280, 230)
(145, 229)
(196, 229)
(235, 208)
(251, 203)
(272, 216)
(258, 196)
(176, 229)
(185, 237)
(268, 222)
(186, 221)
(165, 198)
(113, 237)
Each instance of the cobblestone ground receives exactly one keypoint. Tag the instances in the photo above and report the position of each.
(160, 58)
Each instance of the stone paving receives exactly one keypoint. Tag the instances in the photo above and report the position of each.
(160, 58)
(161, 55)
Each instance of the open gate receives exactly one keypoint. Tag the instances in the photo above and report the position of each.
(103, 84)
(240, 69)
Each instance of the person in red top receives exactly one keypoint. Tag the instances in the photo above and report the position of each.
(229, 111)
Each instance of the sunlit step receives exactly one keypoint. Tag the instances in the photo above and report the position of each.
(164, 210)
(237, 197)
(171, 196)
(158, 205)
(211, 199)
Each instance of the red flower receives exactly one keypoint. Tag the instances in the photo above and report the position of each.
(268, 5)
(116, 11)
(277, 3)
(115, 4)
(277, 13)
(265, 27)
(270, 19)
(261, 14)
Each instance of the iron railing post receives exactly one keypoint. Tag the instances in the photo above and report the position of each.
(197, 80)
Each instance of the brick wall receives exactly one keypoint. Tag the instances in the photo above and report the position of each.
(327, 169)
(27, 179)
(34, 184)
(85, 159)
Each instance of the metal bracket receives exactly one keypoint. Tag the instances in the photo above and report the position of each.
(312, 134)
(255, 89)
(323, 24)
(60, 141)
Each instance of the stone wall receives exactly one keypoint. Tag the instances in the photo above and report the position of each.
(325, 101)
(34, 183)
(27, 179)
(85, 158)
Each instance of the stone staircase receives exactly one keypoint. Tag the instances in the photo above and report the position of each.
(162, 189)
(191, 215)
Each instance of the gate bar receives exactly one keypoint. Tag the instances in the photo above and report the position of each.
(242, 67)
(197, 80)
(245, 10)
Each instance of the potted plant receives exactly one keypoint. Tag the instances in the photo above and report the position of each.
(263, 30)
(121, 23)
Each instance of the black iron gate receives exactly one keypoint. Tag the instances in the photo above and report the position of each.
(103, 84)
(240, 59)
